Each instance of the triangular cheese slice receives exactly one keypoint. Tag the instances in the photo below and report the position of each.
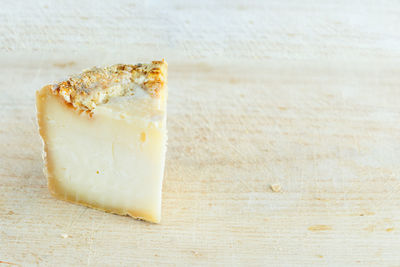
(104, 134)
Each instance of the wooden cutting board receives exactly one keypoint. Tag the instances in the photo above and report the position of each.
(305, 97)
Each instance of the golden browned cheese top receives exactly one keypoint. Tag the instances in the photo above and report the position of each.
(98, 85)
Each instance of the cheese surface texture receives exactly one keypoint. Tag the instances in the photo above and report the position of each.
(104, 135)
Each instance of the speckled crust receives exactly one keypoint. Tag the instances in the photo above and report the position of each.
(97, 85)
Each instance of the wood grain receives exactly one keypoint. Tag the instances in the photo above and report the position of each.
(257, 98)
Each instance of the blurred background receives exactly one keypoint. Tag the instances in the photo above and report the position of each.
(206, 30)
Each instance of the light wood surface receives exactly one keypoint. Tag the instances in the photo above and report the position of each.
(300, 94)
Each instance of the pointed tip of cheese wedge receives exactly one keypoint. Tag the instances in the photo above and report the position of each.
(111, 159)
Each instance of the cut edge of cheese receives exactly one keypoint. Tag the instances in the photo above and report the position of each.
(136, 112)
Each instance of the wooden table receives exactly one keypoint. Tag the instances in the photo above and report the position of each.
(300, 94)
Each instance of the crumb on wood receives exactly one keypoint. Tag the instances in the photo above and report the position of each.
(389, 229)
(276, 187)
(64, 235)
(195, 253)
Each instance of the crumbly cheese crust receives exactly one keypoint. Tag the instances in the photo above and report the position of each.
(98, 85)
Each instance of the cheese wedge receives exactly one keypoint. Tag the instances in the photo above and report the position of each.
(104, 135)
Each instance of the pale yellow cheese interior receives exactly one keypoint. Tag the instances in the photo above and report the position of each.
(112, 159)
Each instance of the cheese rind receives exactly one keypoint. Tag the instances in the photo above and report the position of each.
(111, 158)
(98, 85)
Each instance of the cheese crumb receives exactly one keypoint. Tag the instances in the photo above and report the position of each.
(276, 187)
(64, 236)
